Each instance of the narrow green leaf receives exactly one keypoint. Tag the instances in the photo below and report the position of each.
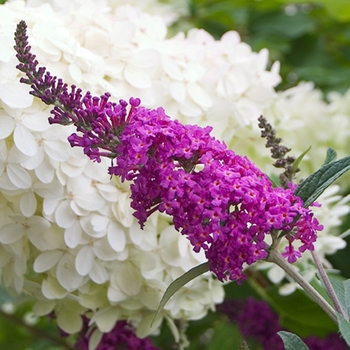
(346, 306)
(331, 156)
(299, 159)
(180, 282)
(292, 341)
(339, 289)
(312, 187)
(344, 327)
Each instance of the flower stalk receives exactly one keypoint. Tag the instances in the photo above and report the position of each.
(276, 258)
(328, 285)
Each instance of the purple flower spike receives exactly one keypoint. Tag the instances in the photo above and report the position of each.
(221, 201)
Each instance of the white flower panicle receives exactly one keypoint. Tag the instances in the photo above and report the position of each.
(67, 234)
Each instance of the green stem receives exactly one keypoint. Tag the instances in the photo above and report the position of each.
(36, 332)
(276, 257)
(327, 284)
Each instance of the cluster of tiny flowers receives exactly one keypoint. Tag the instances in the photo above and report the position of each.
(257, 320)
(122, 336)
(221, 201)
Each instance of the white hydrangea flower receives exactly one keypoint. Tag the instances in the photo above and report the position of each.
(63, 216)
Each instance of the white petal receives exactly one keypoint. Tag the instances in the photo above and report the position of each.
(75, 72)
(128, 278)
(36, 121)
(115, 295)
(86, 224)
(16, 95)
(6, 49)
(24, 140)
(99, 222)
(89, 201)
(199, 95)
(137, 77)
(151, 297)
(6, 184)
(136, 234)
(171, 68)
(45, 172)
(104, 251)
(72, 235)
(7, 126)
(46, 260)
(276, 274)
(66, 274)
(39, 223)
(11, 233)
(68, 321)
(28, 204)
(64, 215)
(178, 91)
(18, 176)
(116, 236)
(98, 273)
(51, 289)
(106, 319)
(148, 324)
(95, 339)
(34, 161)
(43, 307)
(38, 238)
(190, 109)
(107, 191)
(145, 59)
(56, 150)
(84, 260)
(287, 288)
(97, 41)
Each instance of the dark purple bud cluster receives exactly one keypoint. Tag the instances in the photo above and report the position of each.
(122, 336)
(257, 320)
(278, 152)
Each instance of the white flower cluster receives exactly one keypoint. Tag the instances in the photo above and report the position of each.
(67, 234)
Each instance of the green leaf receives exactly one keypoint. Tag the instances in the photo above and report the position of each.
(339, 9)
(180, 282)
(299, 314)
(344, 327)
(227, 336)
(311, 188)
(342, 290)
(292, 341)
(299, 159)
(331, 156)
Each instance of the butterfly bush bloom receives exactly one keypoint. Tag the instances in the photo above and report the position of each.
(221, 201)
(121, 336)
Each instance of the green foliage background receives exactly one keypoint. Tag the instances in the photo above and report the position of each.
(310, 39)
(312, 42)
